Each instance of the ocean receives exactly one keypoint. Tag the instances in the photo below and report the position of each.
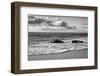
(40, 46)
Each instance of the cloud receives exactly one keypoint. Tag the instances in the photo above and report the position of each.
(84, 27)
(42, 24)
(47, 29)
(34, 20)
(64, 24)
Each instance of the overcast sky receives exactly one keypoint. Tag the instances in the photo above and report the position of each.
(40, 23)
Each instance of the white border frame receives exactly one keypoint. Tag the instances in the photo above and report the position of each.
(25, 64)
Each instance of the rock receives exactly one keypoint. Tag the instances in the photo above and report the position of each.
(77, 41)
(57, 41)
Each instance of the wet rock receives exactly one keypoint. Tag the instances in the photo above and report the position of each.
(57, 41)
(77, 41)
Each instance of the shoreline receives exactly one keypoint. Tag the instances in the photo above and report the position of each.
(70, 54)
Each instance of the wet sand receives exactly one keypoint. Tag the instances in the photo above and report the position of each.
(71, 54)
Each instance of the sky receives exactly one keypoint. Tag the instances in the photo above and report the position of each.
(41, 23)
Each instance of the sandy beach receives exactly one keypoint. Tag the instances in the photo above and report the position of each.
(71, 54)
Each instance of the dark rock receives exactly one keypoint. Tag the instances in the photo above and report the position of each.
(57, 41)
(77, 41)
